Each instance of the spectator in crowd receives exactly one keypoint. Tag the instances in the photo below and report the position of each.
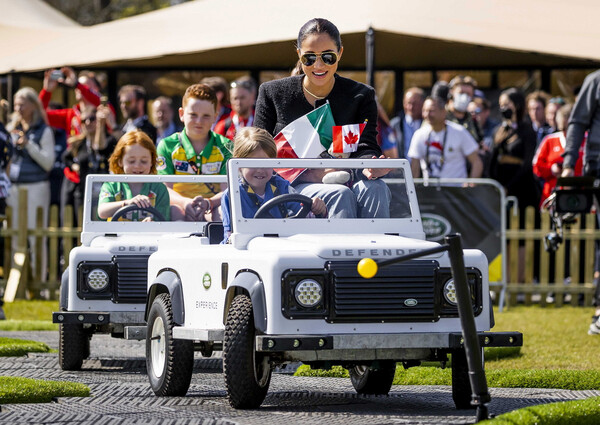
(280, 102)
(441, 148)
(385, 136)
(32, 159)
(162, 115)
(407, 122)
(480, 109)
(195, 150)
(243, 96)
(60, 145)
(132, 100)
(536, 109)
(87, 92)
(548, 160)
(513, 151)
(586, 118)
(462, 91)
(87, 153)
(6, 149)
(221, 89)
(552, 108)
(441, 90)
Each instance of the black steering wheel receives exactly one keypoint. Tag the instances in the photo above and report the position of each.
(263, 211)
(133, 207)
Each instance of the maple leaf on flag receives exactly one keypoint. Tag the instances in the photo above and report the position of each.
(351, 138)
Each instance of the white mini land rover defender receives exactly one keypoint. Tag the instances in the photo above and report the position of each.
(104, 288)
(287, 290)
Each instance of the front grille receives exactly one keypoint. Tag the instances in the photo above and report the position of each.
(132, 278)
(400, 292)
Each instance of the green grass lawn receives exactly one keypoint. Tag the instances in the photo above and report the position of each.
(557, 352)
(22, 315)
(31, 315)
(15, 389)
(20, 347)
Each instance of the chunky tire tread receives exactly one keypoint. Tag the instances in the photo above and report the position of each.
(73, 347)
(243, 389)
(371, 381)
(461, 385)
(179, 357)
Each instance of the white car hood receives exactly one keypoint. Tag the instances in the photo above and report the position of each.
(336, 246)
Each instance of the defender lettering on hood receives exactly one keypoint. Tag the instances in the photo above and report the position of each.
(371, 252)
(134, 248)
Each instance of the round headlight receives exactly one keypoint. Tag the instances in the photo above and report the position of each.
(97, 280)
(450, 292)
(308, 293)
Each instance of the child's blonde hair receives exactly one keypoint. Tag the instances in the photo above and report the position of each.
(136, 137)
(249, 139)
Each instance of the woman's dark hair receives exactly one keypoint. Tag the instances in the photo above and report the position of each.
(518, 99)
(319, 26)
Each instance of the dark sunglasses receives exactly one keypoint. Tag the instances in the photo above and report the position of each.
(328, 58)
(89, 119)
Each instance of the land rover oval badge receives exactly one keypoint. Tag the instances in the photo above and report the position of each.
(410, 302)
(206, 280)
(435, 226)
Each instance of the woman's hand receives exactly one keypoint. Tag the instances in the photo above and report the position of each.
(375, 173)
(105, 117)
(21, 141)
(319, 208)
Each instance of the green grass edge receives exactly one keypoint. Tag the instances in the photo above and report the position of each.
(15, 389)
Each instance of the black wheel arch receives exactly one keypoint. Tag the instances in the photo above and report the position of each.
(249, 282)
(167, 281)
(64, 290)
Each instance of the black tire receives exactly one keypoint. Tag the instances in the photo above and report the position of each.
(169, 362)
(366, 380)
(247, 373)
(461, 385)
(73, 346)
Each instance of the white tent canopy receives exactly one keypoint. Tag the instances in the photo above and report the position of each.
(261, 34)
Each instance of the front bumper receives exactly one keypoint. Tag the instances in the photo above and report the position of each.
(376, 346)
(99, 317)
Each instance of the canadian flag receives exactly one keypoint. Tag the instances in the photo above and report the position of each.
(345, 138)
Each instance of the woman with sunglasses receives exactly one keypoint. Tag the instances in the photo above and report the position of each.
(280, 102)
(87, 153)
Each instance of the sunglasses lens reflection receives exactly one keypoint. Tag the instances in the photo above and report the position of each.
(308, 59)
(329, 58)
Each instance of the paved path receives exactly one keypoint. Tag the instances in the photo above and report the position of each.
(121, 394)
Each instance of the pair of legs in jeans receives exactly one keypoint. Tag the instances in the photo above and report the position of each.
(365, 199)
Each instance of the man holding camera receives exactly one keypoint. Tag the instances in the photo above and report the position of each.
(586, 117)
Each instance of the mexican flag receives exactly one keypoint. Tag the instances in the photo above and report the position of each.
(345, 138)
(306, 137)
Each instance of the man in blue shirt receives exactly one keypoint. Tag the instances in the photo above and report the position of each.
(408, 121)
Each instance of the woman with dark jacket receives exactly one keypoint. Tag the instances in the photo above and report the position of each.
(280, 102)
(87, 153)
(513, 151)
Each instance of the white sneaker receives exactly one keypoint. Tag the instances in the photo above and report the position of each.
(594, 327)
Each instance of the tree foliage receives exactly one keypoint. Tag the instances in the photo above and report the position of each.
(91, 12)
